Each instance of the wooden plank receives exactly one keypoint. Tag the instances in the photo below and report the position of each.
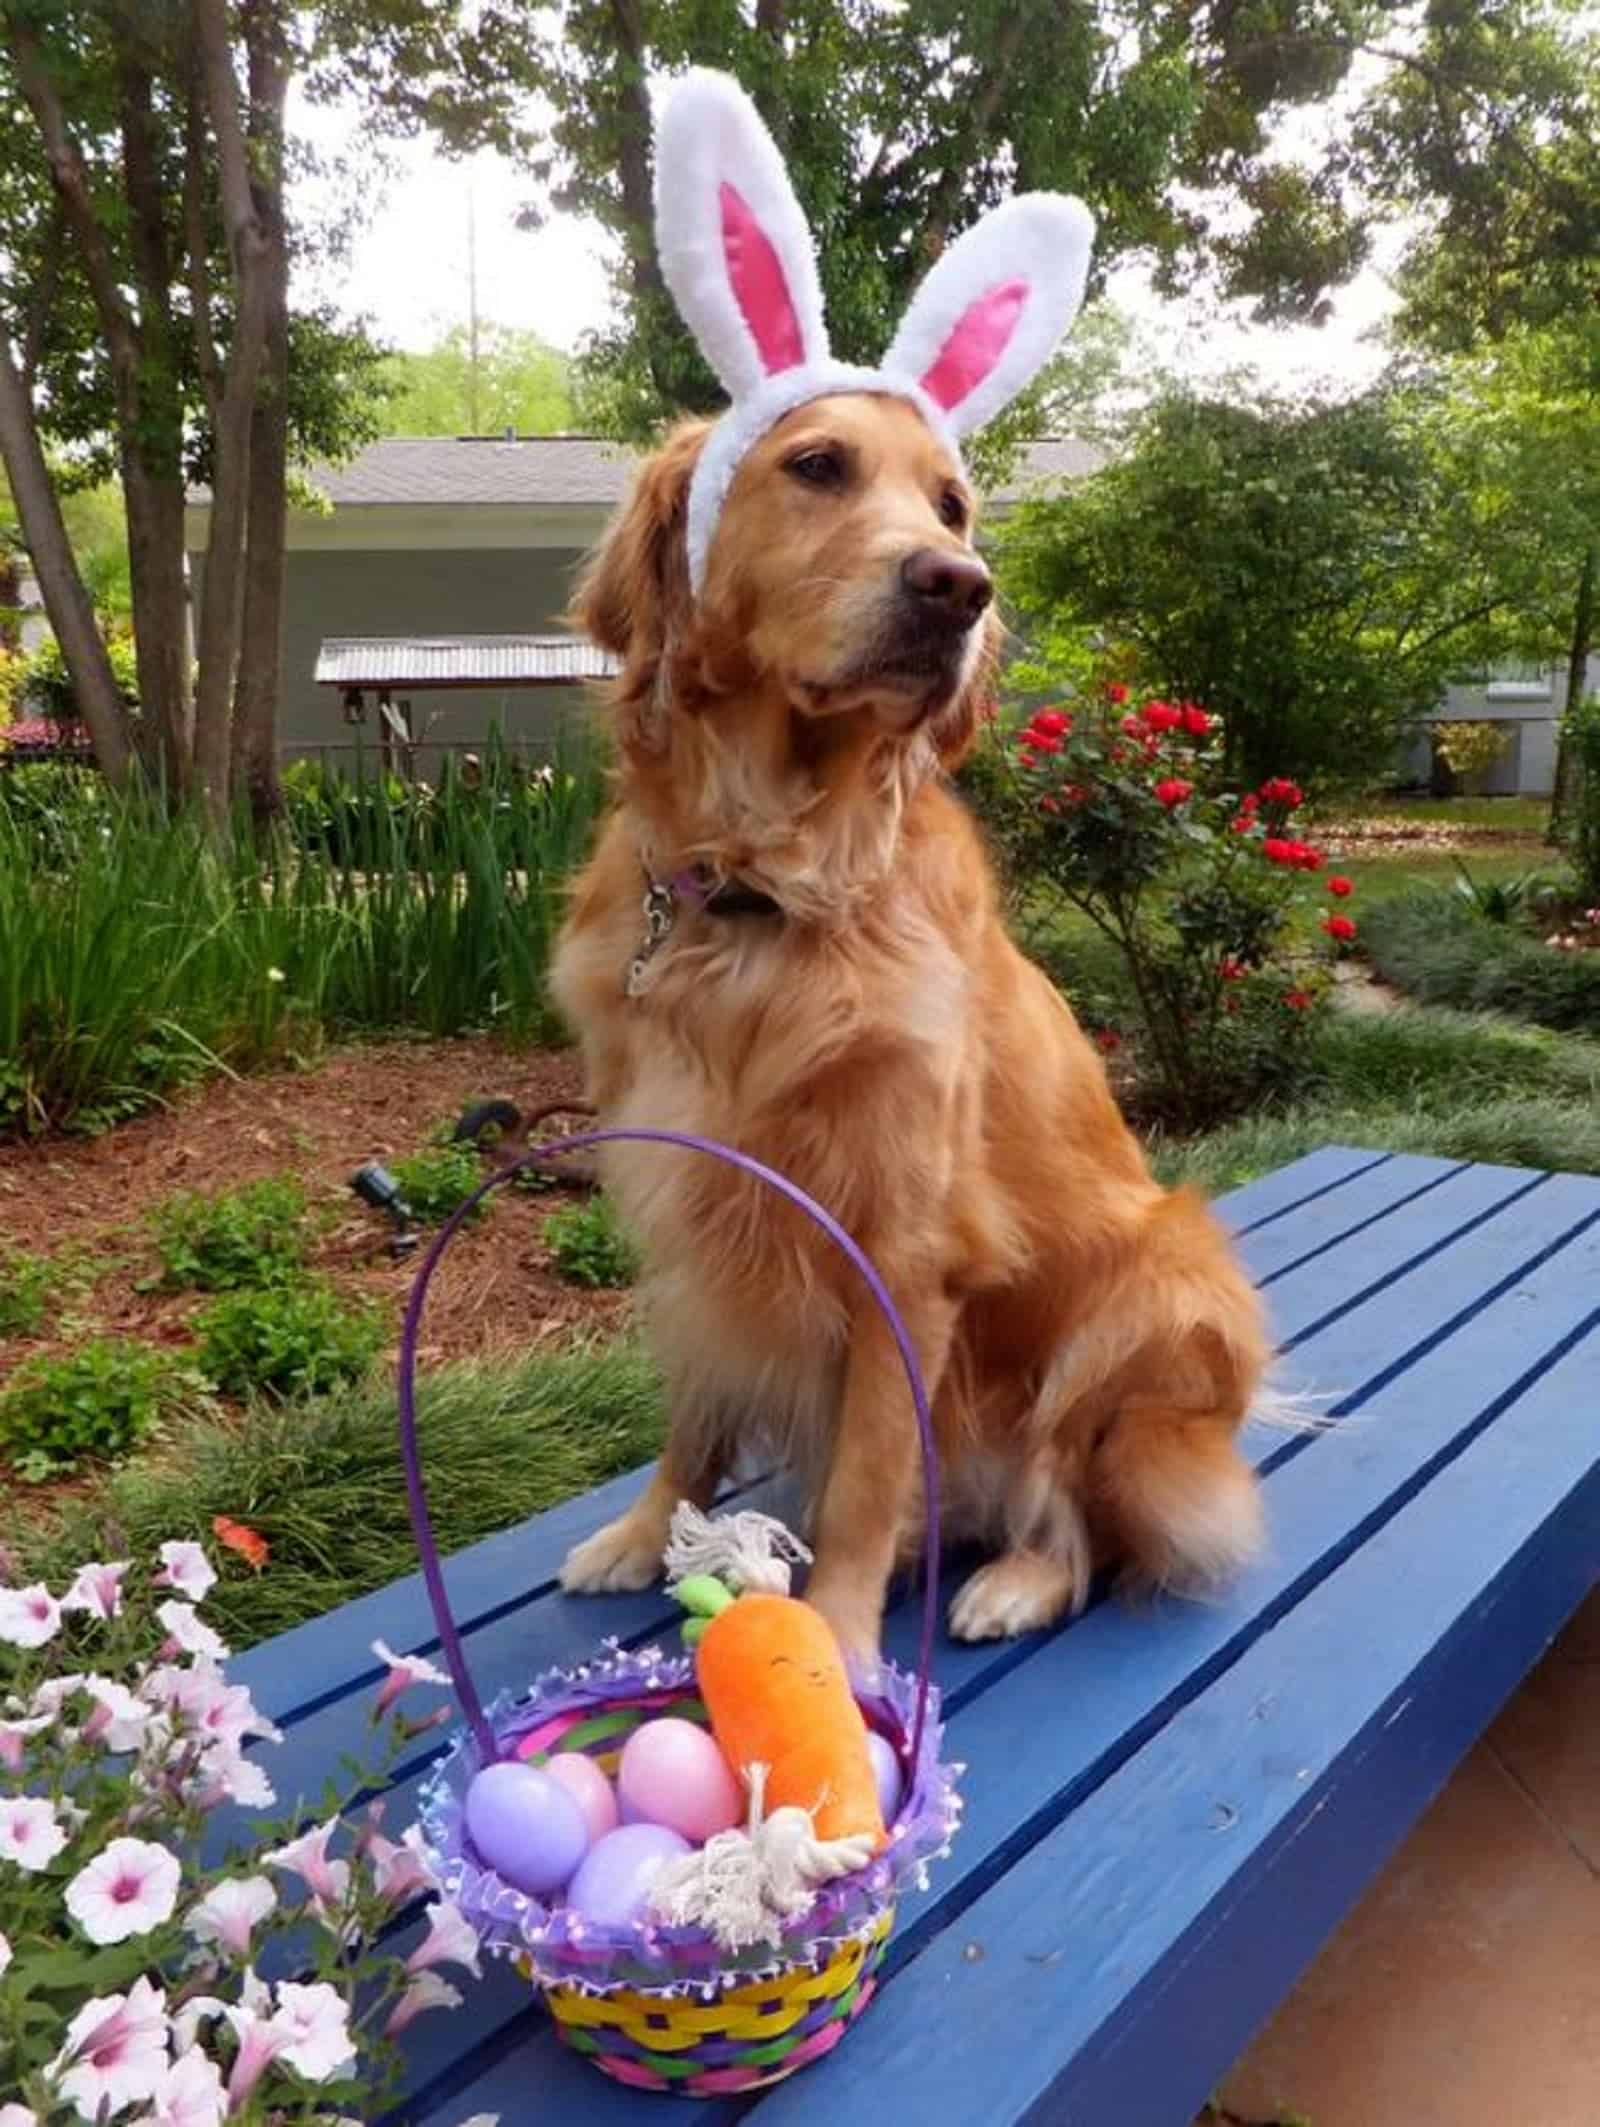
(1122, 1673)
(1357, 1704)
(1425, 1205)
(1285, 1189)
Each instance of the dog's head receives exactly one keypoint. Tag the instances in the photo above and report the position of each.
(842, 580)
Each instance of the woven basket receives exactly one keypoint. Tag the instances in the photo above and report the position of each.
(656, 2007)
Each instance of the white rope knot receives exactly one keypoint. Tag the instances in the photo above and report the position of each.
(750, 1552)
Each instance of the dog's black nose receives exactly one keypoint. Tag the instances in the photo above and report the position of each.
(953, 588)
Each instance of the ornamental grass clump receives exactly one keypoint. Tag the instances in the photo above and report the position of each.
(1124, 813)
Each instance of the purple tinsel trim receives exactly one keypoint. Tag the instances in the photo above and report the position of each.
(563, 1949)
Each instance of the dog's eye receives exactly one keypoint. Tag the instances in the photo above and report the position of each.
(818, 468)
(953, 509)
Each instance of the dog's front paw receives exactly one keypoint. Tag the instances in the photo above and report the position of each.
(620, 1557)
(856, 1624)
(1018, 1593)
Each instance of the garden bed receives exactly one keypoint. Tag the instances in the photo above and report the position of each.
(86, 1203)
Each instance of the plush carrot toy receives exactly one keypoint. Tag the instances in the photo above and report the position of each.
(771, 1673)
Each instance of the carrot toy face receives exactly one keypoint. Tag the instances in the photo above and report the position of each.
(775, 1686)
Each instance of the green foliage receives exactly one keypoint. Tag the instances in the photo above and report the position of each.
(1505, 900)
(518, 382)
(1468, 748)
(590, 1246)
(95, 1403)
(138, 954)
(294, 1340)
(46, 688)
(1123, 814)
(250, 1236)
(434, 1181)
(500, 1440)
(1581, 733)
(1292, 564)
(1439, 951)
(25, 1286)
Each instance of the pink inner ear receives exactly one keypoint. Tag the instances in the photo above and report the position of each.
(977, 341)
(756, 274)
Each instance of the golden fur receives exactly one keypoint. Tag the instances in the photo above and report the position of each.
(1089, 1340)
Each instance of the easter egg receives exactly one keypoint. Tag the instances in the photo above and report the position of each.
(612, 1886)
(589, 1788)
(886, 1771)
(526, 1826)
(672, 1773)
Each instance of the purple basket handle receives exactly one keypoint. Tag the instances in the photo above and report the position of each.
(421, 1522)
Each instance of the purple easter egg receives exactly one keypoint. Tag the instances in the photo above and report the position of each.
(612, 1886)
(886, 1771)
(672, 1773)
(526, 1826)
(589, 1788)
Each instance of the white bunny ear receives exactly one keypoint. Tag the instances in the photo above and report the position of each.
(733, 243)
(992, 311)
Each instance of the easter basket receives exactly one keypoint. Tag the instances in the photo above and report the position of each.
(658, 2006)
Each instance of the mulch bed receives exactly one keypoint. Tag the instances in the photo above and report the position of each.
(87, 1200)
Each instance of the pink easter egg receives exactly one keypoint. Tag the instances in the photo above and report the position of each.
(886, 1771)
(525, 1826)
(612, 1886)
(589, 1788)
(672, 1773)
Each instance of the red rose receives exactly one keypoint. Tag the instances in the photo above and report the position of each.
(1231, 970)
(1172, 790)
(1161, 716)
(1278, 790)
(1108, 1040)
(1195, 720)
(1340, 885)
(1075, 793)
(1043, 742)
(1306, 858)
(1276, 851)
(1151, 748)
(1027, 756)
(1116, 693)
(1049, 804)
(1051, 724)
(1132, 726)
(1298, 1000)
(1339, 927)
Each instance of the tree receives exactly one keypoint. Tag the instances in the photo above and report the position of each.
(902, 125)
(1306, 569)
(516, 381)
(145, 325)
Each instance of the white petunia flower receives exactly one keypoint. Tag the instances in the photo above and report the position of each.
(313, 2022)
(115, 2054)
(227, 1775)
(190, 2094)
(189, 1631)
(404, 1671)
(451, 1940)
(128, 1889)
(31, 1835)
(184, 1566)
(5, 1955)
(28, 1616)
(398, 1871)
(97, 1589)
(307, 1858)
(14, 1736)
(17, 2116)
(426, 1991)
(229, 1912)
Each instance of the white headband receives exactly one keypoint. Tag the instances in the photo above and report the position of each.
(737, 256)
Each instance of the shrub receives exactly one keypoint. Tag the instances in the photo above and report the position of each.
(253, 1235)
(99, 1401)
(1431, 945)
(1581, 732)
(590, 1246)
(295, 1340)
(46, 687)
(1122, 812)
(25, 1284)
(434, 1181)
(1470, 749)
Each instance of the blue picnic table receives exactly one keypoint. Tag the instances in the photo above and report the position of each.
(1168, 1808)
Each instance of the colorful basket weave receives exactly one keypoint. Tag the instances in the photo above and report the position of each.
(669, 2008)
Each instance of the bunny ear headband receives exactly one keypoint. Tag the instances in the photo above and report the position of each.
(737, 256)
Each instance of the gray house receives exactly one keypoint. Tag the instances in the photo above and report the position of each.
(427, 546)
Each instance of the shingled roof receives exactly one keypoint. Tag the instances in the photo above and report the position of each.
(545, 472)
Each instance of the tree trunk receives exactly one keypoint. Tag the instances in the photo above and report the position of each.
(255, 701)
(222, 608)
(1584, 618)
(66, 600)
(154, 502)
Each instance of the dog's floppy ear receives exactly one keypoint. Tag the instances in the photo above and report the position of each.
(633, 597)
(990, 314)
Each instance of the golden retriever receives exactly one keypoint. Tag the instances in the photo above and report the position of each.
(1090, 1343)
